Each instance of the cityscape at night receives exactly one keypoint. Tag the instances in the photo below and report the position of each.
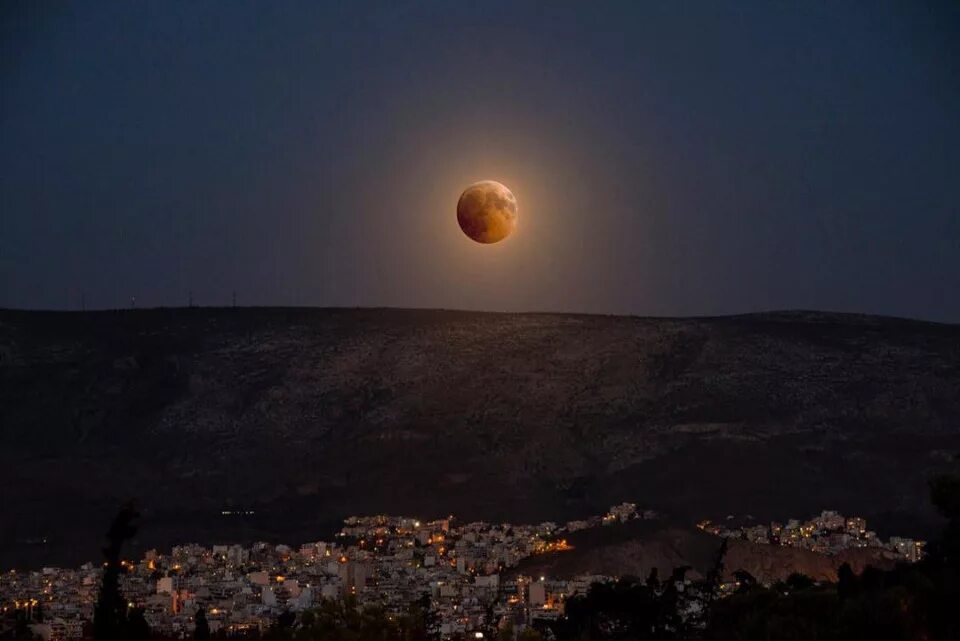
(503, 320)
(471, 573)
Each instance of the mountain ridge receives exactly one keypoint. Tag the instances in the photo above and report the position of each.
(309, 415)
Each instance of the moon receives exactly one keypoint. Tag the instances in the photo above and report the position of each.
(487, 212)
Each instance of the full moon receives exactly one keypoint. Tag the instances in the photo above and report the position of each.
(487, 212)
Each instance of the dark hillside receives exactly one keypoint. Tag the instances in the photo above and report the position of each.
(307, 415)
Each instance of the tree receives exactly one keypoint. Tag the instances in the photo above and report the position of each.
(911, 601)
(653, 580)
(137, 627)
(344, 620)
(797, 581)
(282, 629)
(21, 629)
(745, 580)
(847, 584)
(201, 629)
(110, 621)
(945, 496)
(626, 610)
(529, 634)
(420, 622)
(715, 575)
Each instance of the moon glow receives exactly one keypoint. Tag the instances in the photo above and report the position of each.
(487, 212)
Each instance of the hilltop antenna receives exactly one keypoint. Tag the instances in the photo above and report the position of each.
(133, 302)
(190, 299)
(234, 298)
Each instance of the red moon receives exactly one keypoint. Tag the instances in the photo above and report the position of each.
(487, 212)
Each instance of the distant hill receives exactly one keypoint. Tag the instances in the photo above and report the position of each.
(638, 547)
(307, 415)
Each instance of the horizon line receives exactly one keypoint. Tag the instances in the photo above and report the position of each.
(456, 310)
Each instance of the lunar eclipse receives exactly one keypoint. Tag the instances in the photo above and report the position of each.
(487, 212)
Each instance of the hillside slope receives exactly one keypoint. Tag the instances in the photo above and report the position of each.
(640, 546)
(307, 415)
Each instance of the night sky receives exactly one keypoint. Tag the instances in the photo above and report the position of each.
(669, 158)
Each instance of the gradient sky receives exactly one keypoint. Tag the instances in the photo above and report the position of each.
(669, 158)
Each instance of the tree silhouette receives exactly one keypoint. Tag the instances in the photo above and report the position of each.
(945, 496)
(201, 629)
(421, 622)
(110, 616)
(847, 582)
(137, 627)
(344, 620)
(653, 580)
(745, 580)
(797, 581)
(529, 634)
(715, 575)
(626, 610)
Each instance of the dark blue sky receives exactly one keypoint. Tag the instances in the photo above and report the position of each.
(668, 157)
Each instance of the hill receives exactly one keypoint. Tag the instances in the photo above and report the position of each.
(304, 416)
(637, 547)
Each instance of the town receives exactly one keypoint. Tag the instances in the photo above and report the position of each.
(829, 533)
(463, 572)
